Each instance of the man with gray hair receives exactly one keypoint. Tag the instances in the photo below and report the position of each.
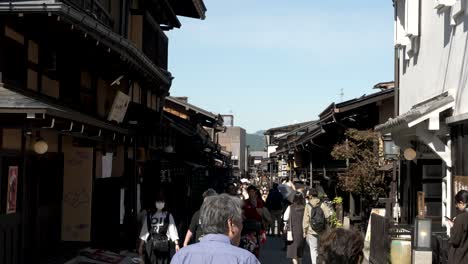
(221, 222)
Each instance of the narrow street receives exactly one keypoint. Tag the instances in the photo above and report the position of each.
(272, 252)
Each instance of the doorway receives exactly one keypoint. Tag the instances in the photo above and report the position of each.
(45, 175)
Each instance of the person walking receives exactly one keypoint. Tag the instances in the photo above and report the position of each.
(458, 252)
(314, 223)
(221, 222)
(195, 224)
(293, 217)
(157, 233)
(274, 203)
(254, 231)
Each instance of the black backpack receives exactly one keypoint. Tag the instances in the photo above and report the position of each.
(317, 219)
(158, 241)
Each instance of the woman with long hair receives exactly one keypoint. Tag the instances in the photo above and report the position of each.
(458, 252)
(293, 217)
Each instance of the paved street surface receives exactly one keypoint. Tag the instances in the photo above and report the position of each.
(272, 252)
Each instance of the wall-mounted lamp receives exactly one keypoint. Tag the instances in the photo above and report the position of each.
(169, 149)
(40, 146)
(409, 154)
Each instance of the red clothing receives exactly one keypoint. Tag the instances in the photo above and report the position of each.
(250, 211)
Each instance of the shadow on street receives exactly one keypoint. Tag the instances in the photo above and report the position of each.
(272, 252)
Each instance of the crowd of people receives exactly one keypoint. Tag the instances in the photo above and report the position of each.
(231, 228)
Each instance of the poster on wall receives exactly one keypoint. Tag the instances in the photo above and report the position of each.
(77, 193)
(12, 189)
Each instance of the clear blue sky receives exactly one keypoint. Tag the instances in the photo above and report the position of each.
(273, 63)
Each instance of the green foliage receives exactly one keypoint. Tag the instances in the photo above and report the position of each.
(334, 222)
(363, 176)
(337, 200)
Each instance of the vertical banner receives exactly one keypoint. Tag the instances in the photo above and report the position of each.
(12, 189)
(77, 193)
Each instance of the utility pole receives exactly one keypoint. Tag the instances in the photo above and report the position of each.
(341, 94)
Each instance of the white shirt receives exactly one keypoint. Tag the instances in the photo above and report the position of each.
(286, 214)
(157, 220)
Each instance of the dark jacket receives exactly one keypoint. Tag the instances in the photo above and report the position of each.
(274, 200)
(458, 252)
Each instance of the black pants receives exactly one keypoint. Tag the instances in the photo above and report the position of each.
(158, 258)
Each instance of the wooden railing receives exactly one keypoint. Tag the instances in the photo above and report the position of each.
(155, 45)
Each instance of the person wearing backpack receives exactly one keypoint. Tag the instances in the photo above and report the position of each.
(157, 233)
(314, 223)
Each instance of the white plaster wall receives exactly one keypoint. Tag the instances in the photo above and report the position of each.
(271, 149)
(441, 63)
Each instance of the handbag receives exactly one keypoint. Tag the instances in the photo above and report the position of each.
(289, 234)
(158, 241)
(267, 216)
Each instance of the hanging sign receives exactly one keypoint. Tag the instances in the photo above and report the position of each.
(119, 107)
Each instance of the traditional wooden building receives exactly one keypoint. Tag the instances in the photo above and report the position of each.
(83, 85)
(307, 148)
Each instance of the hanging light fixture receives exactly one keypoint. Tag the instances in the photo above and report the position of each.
(40, 146)
(409, 154)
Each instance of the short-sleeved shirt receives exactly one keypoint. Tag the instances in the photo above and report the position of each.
(157, 221)
(214, 249)
(195, 226)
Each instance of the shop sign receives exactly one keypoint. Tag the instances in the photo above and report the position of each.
(119, 107)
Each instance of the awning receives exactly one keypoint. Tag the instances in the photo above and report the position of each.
(429, 109)
(14, 102)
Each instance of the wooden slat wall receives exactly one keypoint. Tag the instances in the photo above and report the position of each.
(8, 239)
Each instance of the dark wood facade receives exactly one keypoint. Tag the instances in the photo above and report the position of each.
(62, 65)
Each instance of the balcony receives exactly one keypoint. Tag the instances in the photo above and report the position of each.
(155, 44)
(99, 9)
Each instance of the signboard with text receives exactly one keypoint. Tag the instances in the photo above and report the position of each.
(119, 107)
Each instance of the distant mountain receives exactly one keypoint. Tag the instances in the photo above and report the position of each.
(256, 141)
